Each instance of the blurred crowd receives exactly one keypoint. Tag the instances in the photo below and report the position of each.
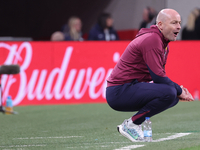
(149, 17)
(103, 30)
(192, 29)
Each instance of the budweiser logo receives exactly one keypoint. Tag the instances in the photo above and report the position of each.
(56, 83)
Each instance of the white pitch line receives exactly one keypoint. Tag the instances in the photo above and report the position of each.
(23, 146)
(177, 135)
(130, 147)
(33, 138)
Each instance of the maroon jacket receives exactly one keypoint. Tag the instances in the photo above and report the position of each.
(144, 59)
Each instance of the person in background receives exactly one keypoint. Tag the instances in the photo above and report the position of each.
(57, 36)
(189, 31)
(72, 30)
(103, 30)
(149, 17)
(197, 25)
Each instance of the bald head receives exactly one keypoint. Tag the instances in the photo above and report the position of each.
(165, 14)
(168, 22)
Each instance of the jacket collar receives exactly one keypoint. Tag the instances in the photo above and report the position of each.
(153, 29)
(165, 40)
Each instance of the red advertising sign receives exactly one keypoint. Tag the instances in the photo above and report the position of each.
(59, 72)
(75, 72)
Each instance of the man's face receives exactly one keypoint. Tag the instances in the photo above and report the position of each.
(77, 25)
(171, 26)
(109, 22)
(145, 15)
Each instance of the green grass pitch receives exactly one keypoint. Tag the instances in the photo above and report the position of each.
(93, 127)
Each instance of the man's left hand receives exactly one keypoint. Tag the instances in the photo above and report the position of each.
(187, 96)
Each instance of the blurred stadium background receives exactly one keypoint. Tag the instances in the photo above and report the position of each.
(37, 20)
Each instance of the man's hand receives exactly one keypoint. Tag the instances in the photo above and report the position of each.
(185, 95)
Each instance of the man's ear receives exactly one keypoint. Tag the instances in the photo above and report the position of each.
(160, 25)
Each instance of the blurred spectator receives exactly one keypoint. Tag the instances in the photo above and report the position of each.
(103, 30)
(190, 30)
(72, 30)
(197, 24)
(149, 17)
(57, 36)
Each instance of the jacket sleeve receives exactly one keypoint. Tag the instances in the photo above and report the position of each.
(153, 59)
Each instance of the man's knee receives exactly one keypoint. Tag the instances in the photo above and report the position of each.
(171, 94)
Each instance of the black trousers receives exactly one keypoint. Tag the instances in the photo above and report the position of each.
(148, 99)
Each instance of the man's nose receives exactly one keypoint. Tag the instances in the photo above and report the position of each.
(179, 26)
